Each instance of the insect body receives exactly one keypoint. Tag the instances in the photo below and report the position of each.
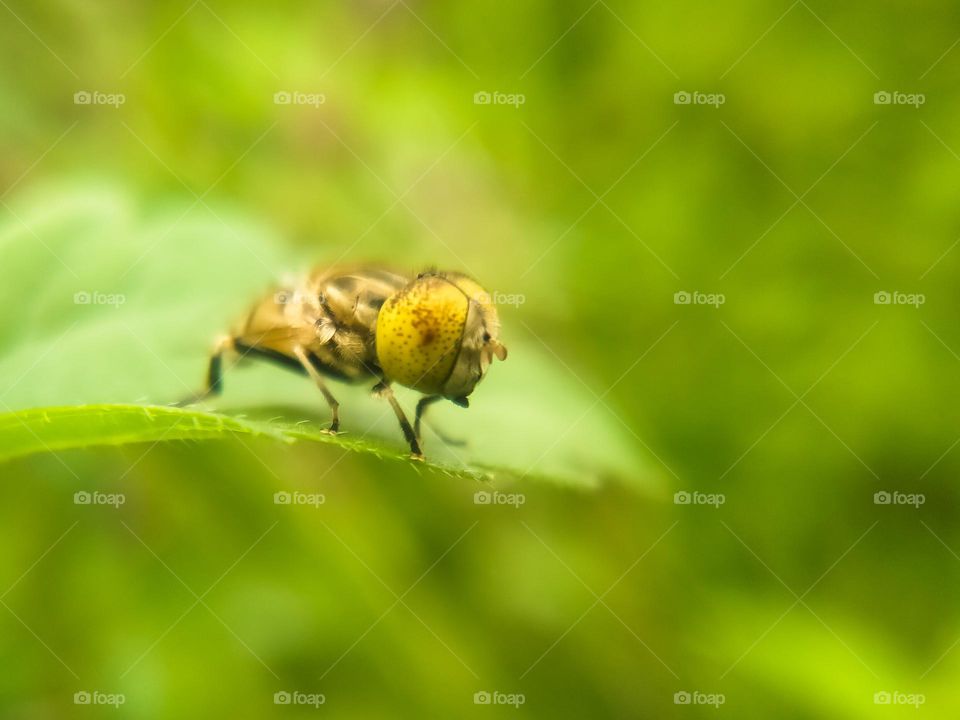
(436, 333)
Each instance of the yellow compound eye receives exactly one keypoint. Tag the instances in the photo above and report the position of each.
(419, 332)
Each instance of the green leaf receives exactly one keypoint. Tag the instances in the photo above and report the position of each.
(82, 426)
(40, 430)
(115, 307)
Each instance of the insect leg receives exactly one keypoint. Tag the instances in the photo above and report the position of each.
(214, 384)
(422, 406)
(318, 379)
(424, 403)
(383, 390)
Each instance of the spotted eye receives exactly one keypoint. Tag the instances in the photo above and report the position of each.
(419, 331)
(486, 337)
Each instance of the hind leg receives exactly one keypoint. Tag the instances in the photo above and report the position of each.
(214, 384)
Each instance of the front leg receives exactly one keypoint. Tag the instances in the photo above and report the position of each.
(318, 379)
(383, 390)
(422, 406)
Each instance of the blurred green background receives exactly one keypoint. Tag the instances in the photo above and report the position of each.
(797, 196)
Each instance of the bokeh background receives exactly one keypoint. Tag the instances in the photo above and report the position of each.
(786, 188)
